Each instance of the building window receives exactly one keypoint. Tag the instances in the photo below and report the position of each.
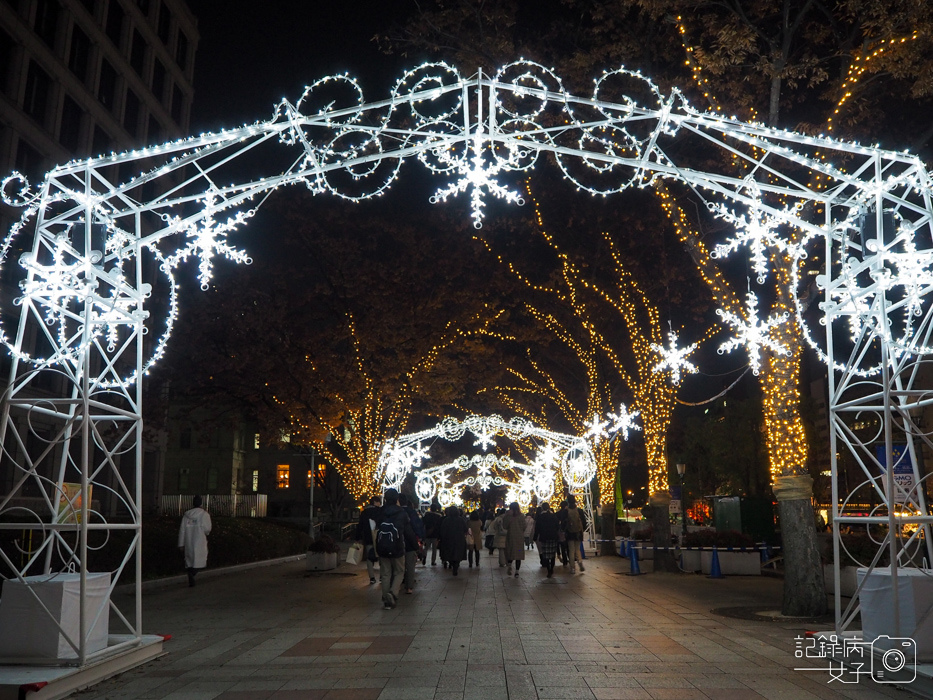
(165, 24)
(107, 88)
(138, 53)
(29, 163)
(212, 479)
(114, 27)
(101, 142)
(178, 105)
(36, 99)
(256, 441)
(181, 51)
(79, 55)
(158, 80)
(281, 476)
(6, 58)
(131, 113)
(47, 21)
(182, 480)
(255, 481)
(155, 132)
(69, 134)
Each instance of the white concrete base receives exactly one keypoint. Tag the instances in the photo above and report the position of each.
(20, 682)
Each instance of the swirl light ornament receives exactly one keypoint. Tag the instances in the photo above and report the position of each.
(555, 455)
(100, 242)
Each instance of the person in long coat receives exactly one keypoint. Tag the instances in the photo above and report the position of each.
(192, 538)
(452, 535)
(498, 531)
(547, 527)
(514, 524)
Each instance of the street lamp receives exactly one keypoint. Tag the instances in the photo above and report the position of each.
(681, 469)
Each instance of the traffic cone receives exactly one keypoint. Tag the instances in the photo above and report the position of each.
(633, 560)
(623, 548)
(714, 570)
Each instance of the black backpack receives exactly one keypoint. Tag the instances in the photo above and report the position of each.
(389, 542)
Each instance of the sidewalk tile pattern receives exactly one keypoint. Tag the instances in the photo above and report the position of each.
(277, 633)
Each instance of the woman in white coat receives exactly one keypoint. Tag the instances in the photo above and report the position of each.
(192, 538)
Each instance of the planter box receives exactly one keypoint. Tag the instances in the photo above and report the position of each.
(914, 603)
(847, 580)
(733, 563)
(40, 636)
(322, 561)
(690, 560)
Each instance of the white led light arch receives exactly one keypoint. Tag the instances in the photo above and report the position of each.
(555, 454)
(99, 243)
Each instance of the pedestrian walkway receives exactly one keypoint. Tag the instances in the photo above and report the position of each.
(276, 633)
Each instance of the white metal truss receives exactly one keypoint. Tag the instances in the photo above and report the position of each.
(97, 236)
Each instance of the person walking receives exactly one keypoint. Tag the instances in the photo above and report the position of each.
(476, 529)
(393, 537)
(529, 527)
(452, 536)
(574, 525)
(432, 519)
(547, 529)
(488, 516)
(513, 522)
(498, 533)
(562, 535)
(364, 534)
(192, 538)
(411, 553)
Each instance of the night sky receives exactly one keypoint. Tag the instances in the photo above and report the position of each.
(252, 54)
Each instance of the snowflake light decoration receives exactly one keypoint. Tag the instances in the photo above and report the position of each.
(207, 238)
(756, 229)
(623, 421)
(475, 175)
(751, 333)
(674, 358)
(595, 429)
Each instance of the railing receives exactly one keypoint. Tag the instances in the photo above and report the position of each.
(235, 505)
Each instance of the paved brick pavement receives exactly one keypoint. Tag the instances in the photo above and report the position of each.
(275, 633)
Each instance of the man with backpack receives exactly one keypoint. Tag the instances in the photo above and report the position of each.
(393, 533)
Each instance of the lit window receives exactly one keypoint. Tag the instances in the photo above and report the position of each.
(282, 476)
(255, 481)
(285, 437)
(256, 441)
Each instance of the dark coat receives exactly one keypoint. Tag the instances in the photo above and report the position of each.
(431, 520)
(452, 534)
(546, 527)
(364, 532)
(399, 517)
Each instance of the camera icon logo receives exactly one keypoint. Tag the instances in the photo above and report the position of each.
(893, 659)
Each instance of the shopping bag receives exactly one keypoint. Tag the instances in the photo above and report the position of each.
(355, 554)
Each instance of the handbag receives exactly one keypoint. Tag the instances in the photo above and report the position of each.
(355, 554)
(469, 538)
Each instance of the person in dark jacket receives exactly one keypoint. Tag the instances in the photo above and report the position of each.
(392, 568)
(411, 555)
(452, 535)
(573, 522)
(432, 519)
(364, 534)
(545, 534)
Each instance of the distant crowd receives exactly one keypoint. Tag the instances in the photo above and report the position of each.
(396, 536)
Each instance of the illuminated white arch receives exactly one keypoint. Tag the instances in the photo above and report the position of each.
(554, 454)
(95, 234)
